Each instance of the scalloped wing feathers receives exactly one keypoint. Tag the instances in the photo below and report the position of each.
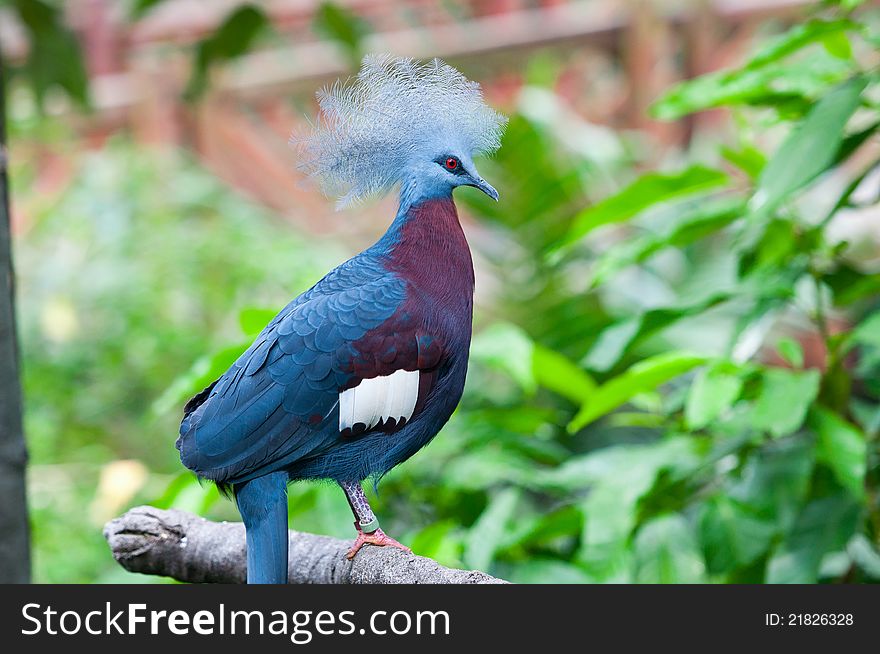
(394, 111)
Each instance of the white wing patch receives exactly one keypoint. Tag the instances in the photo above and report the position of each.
(378, 399)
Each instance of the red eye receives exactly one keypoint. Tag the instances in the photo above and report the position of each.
(451, 163)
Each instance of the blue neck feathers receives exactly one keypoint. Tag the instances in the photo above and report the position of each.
(414, 191)
(418, 188)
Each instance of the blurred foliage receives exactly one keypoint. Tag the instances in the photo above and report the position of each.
(676, 381)
(126, 279)
(55, 60)
(55, 57)
(247, 23)
(340, 25)
(233, 37)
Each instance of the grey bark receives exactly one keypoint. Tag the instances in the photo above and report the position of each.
(188, 548)
(14, 530)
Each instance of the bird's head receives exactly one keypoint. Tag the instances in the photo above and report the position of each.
(401, 121)
(449, 168)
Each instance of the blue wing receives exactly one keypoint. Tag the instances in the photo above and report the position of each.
(275, 404)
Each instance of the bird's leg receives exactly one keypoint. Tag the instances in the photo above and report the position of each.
(365, 521)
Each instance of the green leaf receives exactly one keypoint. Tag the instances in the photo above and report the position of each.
(733, 534)
(787, 87)
(842, 447)
(253, 320)
(474, 471)
(560, 375)
(433, 541)
(791, 351)
(614, 341)
(811, 147)
(747, 158)
(141, 8)
(860, 289)
(825, 525)
(799, 37)
(341, 25)
(618, 477)
(706, 220)
(542, 528)
(666, 553)
(606, 464)
(488, 532)
(775, 480)
(637, 419)
(865, 555)
(836, 382)
(55, 57)
(742, 521)
(712, 393)
(547, 571)
(234, 37)
(643, 376)
(185, 493)
(179, 483)
(785, 397)
(838, 45)
(867, 415)
(646, 191)
(506, 347)
(329, 514)
(760, 83)
(767, 246)
(523, 419)
(204, 371)
(850, 144)
(764, 292)
(868, 331)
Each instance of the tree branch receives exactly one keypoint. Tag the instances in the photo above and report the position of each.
(188, 548)
(14, 531)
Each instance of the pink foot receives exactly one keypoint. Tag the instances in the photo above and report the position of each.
(377, 537)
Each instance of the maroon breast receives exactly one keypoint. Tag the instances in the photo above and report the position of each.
(432, 255)
(433, 323)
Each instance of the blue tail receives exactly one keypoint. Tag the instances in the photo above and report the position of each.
(262, 503)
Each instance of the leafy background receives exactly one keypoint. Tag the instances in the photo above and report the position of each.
(676, 379)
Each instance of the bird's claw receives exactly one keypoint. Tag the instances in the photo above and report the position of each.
(377, 537)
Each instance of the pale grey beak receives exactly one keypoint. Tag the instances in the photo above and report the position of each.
(485, 187)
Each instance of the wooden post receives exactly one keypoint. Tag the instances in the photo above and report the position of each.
(14, 530)
(702, 35)
(100, 37)
(155, 115)
(645, 53)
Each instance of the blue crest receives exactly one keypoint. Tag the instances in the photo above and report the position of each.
(394, 114)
